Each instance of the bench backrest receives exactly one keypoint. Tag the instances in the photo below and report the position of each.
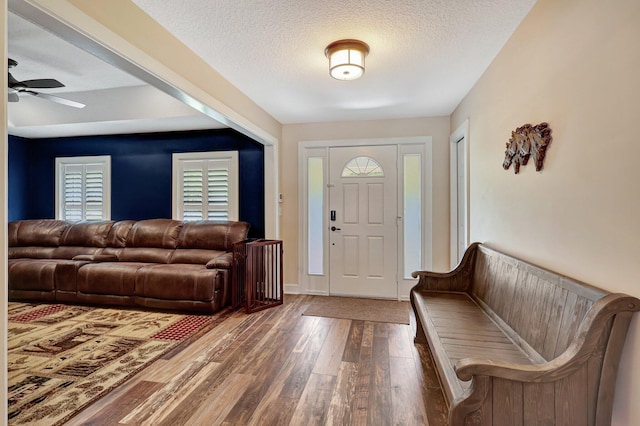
(543, 308)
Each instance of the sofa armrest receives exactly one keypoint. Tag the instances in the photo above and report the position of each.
(221, 262)
(97, 257)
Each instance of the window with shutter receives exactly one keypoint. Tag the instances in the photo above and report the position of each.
(83, 188)
(205, 186)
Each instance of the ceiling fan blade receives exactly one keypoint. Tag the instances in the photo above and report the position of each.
(12, 81)
(57, 99)
(41, 83)
(13, 97)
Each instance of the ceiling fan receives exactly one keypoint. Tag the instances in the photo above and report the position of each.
(16, 87)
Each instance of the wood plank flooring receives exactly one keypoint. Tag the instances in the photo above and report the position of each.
(277, 367)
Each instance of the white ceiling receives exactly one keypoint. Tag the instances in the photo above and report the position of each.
(116, 102)
(425, 56)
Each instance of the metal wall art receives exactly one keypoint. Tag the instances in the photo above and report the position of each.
(527, 141)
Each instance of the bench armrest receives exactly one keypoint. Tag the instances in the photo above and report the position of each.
(587, 342)
(536, 373)
(455, 280)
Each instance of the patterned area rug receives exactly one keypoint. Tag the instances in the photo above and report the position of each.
(62, 358)
(359, 309)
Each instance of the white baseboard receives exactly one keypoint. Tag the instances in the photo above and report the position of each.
(317, 293)
(292, 289)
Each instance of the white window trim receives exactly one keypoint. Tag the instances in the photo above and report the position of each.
(234, 174)
(105, 160)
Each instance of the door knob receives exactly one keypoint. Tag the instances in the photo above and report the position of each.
(333, 228)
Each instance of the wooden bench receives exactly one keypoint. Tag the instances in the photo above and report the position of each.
(515, 344)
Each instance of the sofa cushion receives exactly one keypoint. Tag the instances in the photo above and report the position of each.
(118, 234)
(96, 257)
(66, 275)
(31, 252)
(196, 256)
(145, 254)
(88, 234)
(69, 252)
(156, 233)
(12, 233)
(45, 232)
(177, 282)
(117, 278)
(32, 274)
(225, 261)
(211, 235)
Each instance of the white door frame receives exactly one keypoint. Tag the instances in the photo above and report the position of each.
(460, 135)
(319, 283)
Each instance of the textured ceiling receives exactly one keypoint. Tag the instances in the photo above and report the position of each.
(425, 54)
(116, 102)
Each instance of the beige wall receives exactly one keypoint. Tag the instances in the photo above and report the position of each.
(437, 128)
(573, 63)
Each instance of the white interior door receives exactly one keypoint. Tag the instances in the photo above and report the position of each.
(363, 243)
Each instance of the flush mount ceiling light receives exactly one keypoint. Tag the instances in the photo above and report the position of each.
(346, 59)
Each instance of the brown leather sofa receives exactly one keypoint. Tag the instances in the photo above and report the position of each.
(157, 263)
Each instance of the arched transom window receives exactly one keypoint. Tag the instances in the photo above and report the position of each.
(362, 167)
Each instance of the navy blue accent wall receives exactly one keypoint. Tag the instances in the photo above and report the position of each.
(18, 182)
(140, 172)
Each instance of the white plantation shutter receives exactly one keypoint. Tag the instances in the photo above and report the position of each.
(218, 191)
(205, 186)
(83, 188)
(192, 193)
(72, 196)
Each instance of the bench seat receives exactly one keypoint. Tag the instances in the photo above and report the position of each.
(457, 328)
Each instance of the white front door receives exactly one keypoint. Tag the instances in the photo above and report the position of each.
(363, 236)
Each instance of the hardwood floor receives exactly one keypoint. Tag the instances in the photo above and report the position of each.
(277, 367)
